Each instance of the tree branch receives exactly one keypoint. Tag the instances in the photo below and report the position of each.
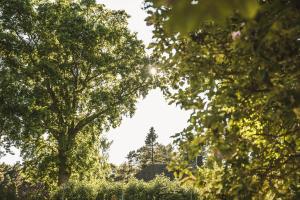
(55, 104)
(81, 124)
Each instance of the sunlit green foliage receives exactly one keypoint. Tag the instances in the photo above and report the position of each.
(160, 188)
(241, 79)
(186, 16)
(68, 71)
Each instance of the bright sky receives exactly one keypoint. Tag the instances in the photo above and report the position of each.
(136, 21)
(151, 111)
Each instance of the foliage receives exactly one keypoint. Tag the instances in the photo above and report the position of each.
(76, 191)
(241, 80)
(122, 172)
(160, 188)
(90, 164)
(14, 185)
(110, 191)
(151, 153)
(197, 11)
(68, 71)
(150, 142)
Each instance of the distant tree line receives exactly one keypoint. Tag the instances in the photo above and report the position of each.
(150, 154)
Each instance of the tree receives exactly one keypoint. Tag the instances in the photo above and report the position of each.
(151, 153)
(132, 157)
(69, 70)
(163, 153)
(150, 142)
(240, 79)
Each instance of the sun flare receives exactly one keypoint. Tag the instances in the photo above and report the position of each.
(153, 71)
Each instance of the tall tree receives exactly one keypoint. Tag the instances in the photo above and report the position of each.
(69, 70)
(151, 153)
(150, 142)
(240, 77)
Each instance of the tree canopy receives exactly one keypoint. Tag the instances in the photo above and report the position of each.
(68, 71)
(240, 77)
(71, 69)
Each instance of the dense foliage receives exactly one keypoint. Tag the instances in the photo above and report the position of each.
(240, 76)
(68, 71)
(160, 188)
(14, 185)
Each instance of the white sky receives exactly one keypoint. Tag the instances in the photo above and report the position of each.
(151, 111)
(136, 21)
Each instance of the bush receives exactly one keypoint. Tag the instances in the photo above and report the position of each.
(76, 191)
(159, 189)
(135, 189)
(110, 191)
(162, 188)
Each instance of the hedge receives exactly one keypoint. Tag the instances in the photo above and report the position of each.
(158, 189)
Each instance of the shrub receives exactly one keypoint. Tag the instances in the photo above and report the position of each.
(135, 189)
(160, 188)
(76, 191)
(110, 191)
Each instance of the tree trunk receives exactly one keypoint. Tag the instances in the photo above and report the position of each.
(152, 154)
(64, 171)
(64, 168)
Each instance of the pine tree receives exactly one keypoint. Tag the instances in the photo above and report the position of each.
(150, 142)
